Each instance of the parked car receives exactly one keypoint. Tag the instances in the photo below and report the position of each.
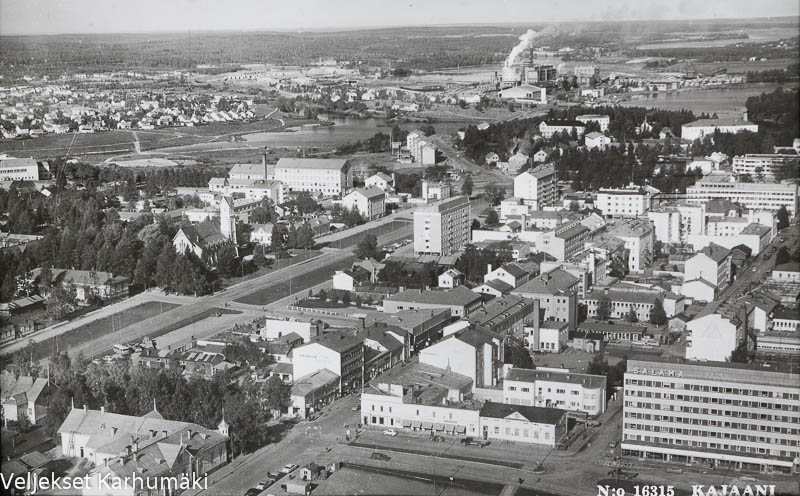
(252, 492)
(289, 467)
(381, 457)
(438, 439)
(593, 423)
(390, 432)
(612, 444)
(356, 408)
(469, 441)
(675, 470)
(274, 477)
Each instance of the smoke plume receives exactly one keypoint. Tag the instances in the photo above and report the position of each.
(525, 41)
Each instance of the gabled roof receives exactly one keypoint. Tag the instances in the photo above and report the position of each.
(499, 285)
(514, 270)
(369, 193)
(716, 252)
(788, 267)
(554, 282)
(532, 414)
(203, 234)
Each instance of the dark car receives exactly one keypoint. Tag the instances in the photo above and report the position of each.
(252, 492)
(381, 457)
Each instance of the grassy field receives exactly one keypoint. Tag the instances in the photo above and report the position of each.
(302, 282)
(100, 327)
(119, 142)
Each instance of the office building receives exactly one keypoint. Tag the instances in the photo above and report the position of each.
(764, 166)
(755, 196)
(718, 414)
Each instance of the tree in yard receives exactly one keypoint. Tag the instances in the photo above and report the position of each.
(657, 315)
(632, 317)
(305, 203)
(603, 308)
(783, 256)
(583, 312)
(518, 356)
(476, 224)
(495, 194)
(61, 301)
(305, 237)
(492, 218)
(276, 394)
(783, 217)
(467, 186)
(227, 262)
(367, 247)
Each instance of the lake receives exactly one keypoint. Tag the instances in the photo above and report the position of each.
(725, 102)
(343, 130)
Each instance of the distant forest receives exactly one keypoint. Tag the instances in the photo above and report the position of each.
(425, 48)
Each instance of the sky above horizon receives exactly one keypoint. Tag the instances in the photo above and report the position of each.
(134, 16)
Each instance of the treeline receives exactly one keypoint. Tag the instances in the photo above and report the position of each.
(789, 73)
(778, 113)
(82, 230)
(124, 389)
(730, 52)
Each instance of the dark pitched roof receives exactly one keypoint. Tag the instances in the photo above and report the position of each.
(204, 234)
(716, 252)
(532, 413)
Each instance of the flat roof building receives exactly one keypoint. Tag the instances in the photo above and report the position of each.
(718, 414)
(442, 229)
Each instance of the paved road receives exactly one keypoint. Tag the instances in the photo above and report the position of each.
(274, 281)
(481, 177)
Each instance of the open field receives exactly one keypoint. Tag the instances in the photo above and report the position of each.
(119, 142)
(100, 327)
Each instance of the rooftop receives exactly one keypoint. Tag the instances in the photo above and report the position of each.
(533, 414)
(458, 296)
(554, 282)
(720, 122)
(727, 372)
(312, 163)
(567, 377)
(337, 341)
(313, 381)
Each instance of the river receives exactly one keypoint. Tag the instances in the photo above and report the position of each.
(343, 130)
(725, 102)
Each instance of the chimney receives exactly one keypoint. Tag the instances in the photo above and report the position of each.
(102, 409)
(524, 222)
(165, 433)
(744, 115)
(113, 430)
(488, 268)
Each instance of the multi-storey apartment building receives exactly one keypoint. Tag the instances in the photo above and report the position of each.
(442, 229)
(339, 352)
(331, 177)
(731, 415)
(763, 165)
(627, 202)
(537, 187)
(556, 388)
(756, 196)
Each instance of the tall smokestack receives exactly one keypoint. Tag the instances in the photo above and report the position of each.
(524, 42)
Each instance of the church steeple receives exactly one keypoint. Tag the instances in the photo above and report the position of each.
(223, 427)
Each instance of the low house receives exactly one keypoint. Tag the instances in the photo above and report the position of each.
(520, 423)
(451, 278)
(86, 283)
(24, 397)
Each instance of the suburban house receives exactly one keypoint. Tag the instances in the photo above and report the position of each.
(24, 396)
(87, 283)
(369, 202)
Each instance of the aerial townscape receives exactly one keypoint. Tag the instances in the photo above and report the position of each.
(280, 252)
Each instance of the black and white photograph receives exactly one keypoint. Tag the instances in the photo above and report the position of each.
(421, 248)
